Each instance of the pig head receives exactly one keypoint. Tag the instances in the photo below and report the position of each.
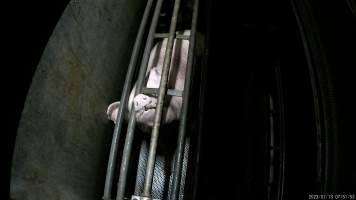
(144, 106)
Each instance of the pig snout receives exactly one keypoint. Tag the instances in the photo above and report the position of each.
(144, 102)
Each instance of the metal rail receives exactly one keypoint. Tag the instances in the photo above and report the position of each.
(202, 95)
(182, 127)
(154, 91)
(160, 92)
(123, 100)
(160, 100)
(132, 121)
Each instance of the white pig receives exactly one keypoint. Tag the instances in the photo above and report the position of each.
(145, 106)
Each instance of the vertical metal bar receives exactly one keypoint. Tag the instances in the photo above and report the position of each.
(202, 94)
(158, 114)
(280, 107)
(182, 126)
(272, 148)
(123, 100)
(132, 121)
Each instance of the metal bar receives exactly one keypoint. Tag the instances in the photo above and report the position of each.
(178, 36)
(182, 126)
(123, 100)
(141, 198)
(202, 95)
(271, 150)
(154, 91)
(177, 93)
(280, 106)
(183, 37)
(132, 121)
(202, 98)
(158, 114)
(161, 35)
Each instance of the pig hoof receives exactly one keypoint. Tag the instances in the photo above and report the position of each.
(112, 111)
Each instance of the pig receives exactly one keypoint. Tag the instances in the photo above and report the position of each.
(144, 105)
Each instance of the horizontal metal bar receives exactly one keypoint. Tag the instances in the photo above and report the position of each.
(154, 91)
(141, 198)
(177, 36)
(182, 37)
(161, 35)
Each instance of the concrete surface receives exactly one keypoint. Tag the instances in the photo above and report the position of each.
(64, 136)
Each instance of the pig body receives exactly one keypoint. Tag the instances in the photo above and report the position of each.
(144, 106)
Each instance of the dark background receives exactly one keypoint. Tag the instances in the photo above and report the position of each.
(245, 39)
(27, 27)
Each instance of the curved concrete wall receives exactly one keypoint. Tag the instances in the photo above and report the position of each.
(64, 136)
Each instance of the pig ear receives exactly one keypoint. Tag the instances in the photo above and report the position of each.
(111, 108)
